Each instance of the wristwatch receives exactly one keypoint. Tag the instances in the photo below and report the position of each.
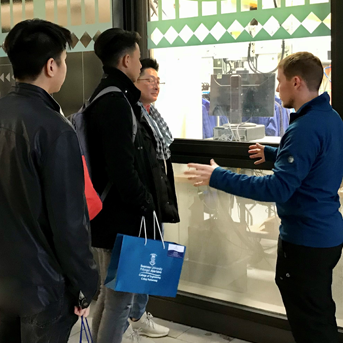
(83, 303)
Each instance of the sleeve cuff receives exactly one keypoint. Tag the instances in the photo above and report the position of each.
(214, 180)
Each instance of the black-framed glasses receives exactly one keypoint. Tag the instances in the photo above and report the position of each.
(152, 80)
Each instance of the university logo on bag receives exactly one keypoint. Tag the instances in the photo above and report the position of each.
(153, 259)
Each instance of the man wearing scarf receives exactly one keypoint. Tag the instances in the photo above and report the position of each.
(149, 85)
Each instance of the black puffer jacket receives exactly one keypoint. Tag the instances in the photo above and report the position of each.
(140, 186)
(45, 242)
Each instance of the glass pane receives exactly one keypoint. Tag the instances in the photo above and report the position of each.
(270, 4)
(319, 1)
(295, 2)
(209, 7)
(229, 6)
(168, 9)
(249, 5)
(231, 88)
(232, 246)
(188, 8)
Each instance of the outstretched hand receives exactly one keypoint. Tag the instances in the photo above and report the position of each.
(257, 151)
(201, 174)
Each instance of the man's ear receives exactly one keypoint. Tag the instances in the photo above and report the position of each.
(126, 60)
(297, 81)
(50, 67)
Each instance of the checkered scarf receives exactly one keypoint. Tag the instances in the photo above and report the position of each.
(160, 129)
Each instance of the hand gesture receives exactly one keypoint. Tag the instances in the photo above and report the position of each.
(202, 173)
(257, 151)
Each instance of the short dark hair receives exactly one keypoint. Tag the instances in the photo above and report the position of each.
(31, 43)
(305, 65)
(113, 44)
(148, 63)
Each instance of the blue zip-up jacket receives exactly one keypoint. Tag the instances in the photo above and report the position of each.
(308, 171)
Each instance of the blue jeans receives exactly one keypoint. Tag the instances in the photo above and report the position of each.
(139, 305)
(112, 309)
(53, 324)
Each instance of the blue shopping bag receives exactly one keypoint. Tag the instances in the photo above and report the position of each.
(145, 266)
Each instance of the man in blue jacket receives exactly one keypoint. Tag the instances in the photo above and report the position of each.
(308, 171)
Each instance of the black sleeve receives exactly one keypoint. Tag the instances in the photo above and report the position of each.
(63, 187)
(116, 130)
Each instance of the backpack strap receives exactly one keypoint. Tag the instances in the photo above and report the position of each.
(111, 89)
(107, 90)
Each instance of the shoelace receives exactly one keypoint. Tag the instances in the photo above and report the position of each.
(134, 336)
(149, 320)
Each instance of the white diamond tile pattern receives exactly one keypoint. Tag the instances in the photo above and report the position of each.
(171, 35)
(201, 32)
(218, 31)
(235, 29)
(272, 26)
(291, 24)
(253, 30)
(156, 36)
(311, 22)
(186, 34)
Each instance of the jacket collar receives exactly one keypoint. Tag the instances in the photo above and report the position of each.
(320, 103)
(116, 77)
(37, 92)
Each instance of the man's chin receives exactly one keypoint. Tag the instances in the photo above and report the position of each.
(287, 105)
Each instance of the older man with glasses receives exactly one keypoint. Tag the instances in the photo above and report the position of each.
(149, 85)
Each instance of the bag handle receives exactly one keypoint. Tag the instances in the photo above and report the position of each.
(87, 334)
(143, 225)
(159, 229)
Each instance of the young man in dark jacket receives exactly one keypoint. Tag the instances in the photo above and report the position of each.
(129, 163)
(307, 175)
(47, 272)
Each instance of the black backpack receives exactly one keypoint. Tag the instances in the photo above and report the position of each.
(79, 124)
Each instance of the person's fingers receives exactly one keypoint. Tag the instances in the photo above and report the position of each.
(253, 147)
(86, 312)
(255, 156)
(198, 184)
(193, 172)
(260, 146)
(259, 162)
(81, 312)
(197, 165)
(255, 151)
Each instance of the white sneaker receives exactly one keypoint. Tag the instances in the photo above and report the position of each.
(132, 336)
(147, 327)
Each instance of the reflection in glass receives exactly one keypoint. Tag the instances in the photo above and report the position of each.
(17, 11)
(75, 10)
(5, 16)
(188, 8)
(228, 6)
(168, 9)
(209, 8)
(50, 10)
(62, 11)
(295, 2)
(29, 14)
(270, 4)
(90, 11)
(104, 11)
(250, 5)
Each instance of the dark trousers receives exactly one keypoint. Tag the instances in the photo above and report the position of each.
(52, 325)
(304, 278)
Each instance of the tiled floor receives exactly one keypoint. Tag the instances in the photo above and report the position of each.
(178, 334)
